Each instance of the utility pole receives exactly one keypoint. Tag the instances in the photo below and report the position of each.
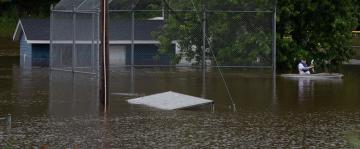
(104, 55)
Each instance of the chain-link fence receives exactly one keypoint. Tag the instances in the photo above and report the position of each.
(69, 94)
(152, 43)
(164, 33)
(74, 37)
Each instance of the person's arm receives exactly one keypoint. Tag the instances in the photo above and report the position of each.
(302, 68)
(305, 69)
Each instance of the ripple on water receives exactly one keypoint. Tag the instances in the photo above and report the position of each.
(187, 129)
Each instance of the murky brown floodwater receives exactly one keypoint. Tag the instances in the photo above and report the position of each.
(61, 110)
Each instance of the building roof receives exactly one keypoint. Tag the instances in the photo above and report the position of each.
(143, 29)
(33, 29)
(38, 30)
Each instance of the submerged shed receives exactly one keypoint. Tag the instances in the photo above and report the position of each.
(170, 101)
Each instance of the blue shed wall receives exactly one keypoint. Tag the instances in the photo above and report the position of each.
(40, 54)
(145, 54)
(25, 53)
(148, 54)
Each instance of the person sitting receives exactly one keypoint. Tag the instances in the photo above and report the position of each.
(303, 68)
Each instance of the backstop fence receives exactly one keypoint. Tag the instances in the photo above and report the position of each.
(164, 33)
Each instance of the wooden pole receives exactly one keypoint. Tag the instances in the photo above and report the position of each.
(104, 55)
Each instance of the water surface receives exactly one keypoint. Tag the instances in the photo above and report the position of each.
(61, 110)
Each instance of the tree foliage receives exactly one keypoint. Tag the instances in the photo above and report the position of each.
(27, 7)
(12, 10)
(319, 30)
(234, 38)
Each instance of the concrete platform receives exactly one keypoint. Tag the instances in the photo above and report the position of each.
(170, 101)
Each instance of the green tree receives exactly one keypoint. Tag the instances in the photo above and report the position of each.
(319, 30)
(235, 38)
(357, 13)
(12, 10)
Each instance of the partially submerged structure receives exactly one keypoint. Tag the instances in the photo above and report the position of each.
(233, 34)
(164, 33)
(170, 101)
(34, 38)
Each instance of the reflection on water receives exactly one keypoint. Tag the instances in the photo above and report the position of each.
(306, 86)
(73, 93)
(26, 62)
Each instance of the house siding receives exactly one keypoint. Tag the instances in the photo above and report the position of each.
(25, 53)
(145, 54)
(148, 54)
(33, 54)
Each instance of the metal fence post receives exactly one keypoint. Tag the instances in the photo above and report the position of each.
(98, 42)
(274, 42)
(132, 33)
(9, 121)
(92, 42)
(203, 92)
(74, 38)
(204, 52)
(132, 86)
(204, 38)
(274, 53)
(51, 58)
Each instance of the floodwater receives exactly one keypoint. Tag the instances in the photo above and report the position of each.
(61, 110)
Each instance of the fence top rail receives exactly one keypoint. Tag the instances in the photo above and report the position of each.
(149, 10)
(199, 66)
(184, 10)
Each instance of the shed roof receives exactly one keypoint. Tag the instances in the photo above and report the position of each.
(143, 29)
(33, 29)
(38, 30)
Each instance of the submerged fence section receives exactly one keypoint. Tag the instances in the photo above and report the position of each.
(74, 39)
(164, 33)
